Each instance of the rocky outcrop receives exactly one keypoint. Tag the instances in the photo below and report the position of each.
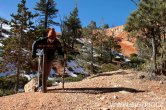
(31, 85)
(125, 41)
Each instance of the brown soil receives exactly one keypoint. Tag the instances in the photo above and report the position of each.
(120, 90)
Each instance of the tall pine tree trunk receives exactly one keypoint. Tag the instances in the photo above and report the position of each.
(46, 16)
(18, 63)
(110, 51)
(72, 44)
(154, 65)
(45, 20)
(17, 75)
(74, 38)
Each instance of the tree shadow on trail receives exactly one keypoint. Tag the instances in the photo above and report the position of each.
(94, 90)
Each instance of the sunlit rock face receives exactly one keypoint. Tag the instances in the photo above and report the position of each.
(125, 41)
(31, 85)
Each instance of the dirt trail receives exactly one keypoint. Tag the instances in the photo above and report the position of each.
(119, 90)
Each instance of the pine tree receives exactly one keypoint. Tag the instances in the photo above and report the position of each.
(105, 26)
(15, 47)
(90, 33)
(148, 21)
(73, 27)
(102, 37)
(110, 45)
(47, 12)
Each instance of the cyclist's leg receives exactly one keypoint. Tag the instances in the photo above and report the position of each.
(48, 65)
(47, 69)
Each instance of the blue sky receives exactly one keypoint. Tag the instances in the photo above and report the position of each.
(112, 12)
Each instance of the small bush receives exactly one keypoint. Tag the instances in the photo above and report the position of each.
(8, 92)
(1, 93)
(136, 62)
(7, 84)
(96, 69)
(133, 55)
(109, 67)
(72, 79)
(23, 81)
(49, 83)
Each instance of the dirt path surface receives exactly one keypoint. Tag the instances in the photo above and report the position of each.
(120, 90)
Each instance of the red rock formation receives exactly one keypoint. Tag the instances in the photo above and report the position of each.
(126, 43)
